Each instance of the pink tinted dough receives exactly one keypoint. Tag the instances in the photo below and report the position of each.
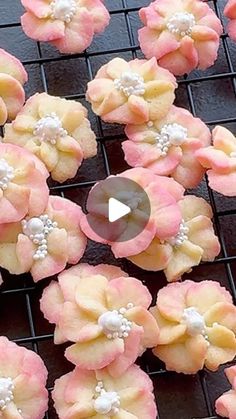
(180, 46)
(226, 404)
(187, 134)
(12, 78)
(26, 190)
(65, 243)
(63, 139)
(150, 97)
(220, 160)
(197, 324)
(27, 374)
(74, 393)
(165, 218)
(180, 253)
(86, 18)
(81, 297)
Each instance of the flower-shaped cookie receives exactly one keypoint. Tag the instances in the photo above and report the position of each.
(164, 221)
(95, 394)
(195, 241)
(221, 160)
(167, 146)
(70, 25)
(104, 314)
(230, 12)
(226, 404)
(23, 377)
(181, 34)
(57, 131)
(12, 78)
(23, 186)
(131, 92)
(43, 245)
(197, 324)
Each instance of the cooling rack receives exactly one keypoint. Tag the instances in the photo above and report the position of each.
(210, 95)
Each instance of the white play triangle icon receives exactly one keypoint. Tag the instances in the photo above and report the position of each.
(117, 210)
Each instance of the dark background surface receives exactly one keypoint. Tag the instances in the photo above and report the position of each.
(209, 95)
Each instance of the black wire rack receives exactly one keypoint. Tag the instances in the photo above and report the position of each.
(178, 396)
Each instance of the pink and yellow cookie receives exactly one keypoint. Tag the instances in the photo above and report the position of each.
(182, 34)
(23, 377)
(220, 159)
(23, 184)
(194, 242)
(167, 146)
(95, 394)
(197, 324)
(69, 25)
(104, 314)
(131, 92)
(163, 223)
(57, 131)
(12, 78)
(230, 12)
(43, 245)
(226, 404)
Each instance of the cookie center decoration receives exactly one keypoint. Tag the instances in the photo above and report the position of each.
(49, 129)
(6, 392)
(107, 402)
(130, 84)
(194, 321)
(63, 10)
(6, 174)
(114, 324)
(38, 229)
(180, 238)
(181, 23)
(171, 134)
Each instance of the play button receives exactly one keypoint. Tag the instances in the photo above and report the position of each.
(118, 210)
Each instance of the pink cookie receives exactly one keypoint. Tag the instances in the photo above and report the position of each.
(95, 394)
(23, 187)
(23, 377)
(182, 34)
(12, 78)
(70, 25)
(167, 146)
(226, 404)
(230, 12)
(197, 324)
(194, 242)
(104, 314)
(43, 245)
(57, 131)
(221, 160)
(164, 221)
(131, 92)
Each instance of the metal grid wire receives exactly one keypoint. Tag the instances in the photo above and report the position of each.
(26, 287)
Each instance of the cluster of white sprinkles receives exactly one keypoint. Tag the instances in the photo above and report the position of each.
(107, 402)
(63, 10)
(114, 323)
(171, 135)
(38, 229)
(49, 129)
(6, 174)
(130, 83)
(195, 323)
(6, 392)
(181, 23)
(181, 237)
